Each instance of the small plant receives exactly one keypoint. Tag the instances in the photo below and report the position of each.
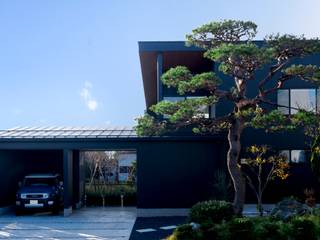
(222, 186)
(262, 168)
(211, 211)
(310, 197)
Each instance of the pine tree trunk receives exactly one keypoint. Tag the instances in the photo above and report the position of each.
(233, 166)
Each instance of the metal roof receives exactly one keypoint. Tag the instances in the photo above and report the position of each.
(67, 132)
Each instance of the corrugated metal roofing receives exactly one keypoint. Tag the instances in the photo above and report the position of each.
(68, 132)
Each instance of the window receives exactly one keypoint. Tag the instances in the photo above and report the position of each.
(289, 100)
(173, 99)
(203, 109)
(294, 156)
(303, 98)
(283, 101)
(208, 111)
(213, 111)
(298, 156)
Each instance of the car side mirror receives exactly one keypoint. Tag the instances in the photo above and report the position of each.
(20, 184)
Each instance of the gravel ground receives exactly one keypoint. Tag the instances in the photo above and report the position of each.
(154, 223)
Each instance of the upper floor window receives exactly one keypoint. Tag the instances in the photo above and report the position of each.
(295, 156)
(290, 100)
(173, 99)
(206, 111)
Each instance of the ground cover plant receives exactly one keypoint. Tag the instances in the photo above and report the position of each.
(231, 227)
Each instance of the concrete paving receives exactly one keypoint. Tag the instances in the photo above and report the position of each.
(86, 223)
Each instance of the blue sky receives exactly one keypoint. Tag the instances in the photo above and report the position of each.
(76, 63)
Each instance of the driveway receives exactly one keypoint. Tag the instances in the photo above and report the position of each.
(86, 223)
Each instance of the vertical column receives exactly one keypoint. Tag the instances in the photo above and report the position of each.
(67, 181)
(76, 180)
(212, 108)
(159, 73)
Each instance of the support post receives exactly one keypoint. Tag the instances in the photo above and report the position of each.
(67, 181)
(159, 74)
(76, 180)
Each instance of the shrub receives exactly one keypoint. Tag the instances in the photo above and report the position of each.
(268, 229)
(315, 218)
(184, 232)
(241, 229)
(222, 186)
(302, 229)
(211, 211)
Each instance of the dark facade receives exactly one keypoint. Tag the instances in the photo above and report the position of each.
(158, 57)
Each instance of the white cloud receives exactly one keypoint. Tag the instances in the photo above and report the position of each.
(92, 105)
(86, 95)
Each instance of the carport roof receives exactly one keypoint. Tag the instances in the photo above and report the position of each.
(67, 132)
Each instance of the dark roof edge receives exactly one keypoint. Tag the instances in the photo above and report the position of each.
(171, 46)
(166, 46)
(138, 139)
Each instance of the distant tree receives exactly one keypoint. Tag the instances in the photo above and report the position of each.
(132, 175)
(230, 44)
(263, 168)
(101, 165)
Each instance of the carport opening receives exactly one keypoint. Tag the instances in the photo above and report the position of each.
(110, 177)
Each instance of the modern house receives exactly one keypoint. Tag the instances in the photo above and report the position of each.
(173, 172)
(158, 57)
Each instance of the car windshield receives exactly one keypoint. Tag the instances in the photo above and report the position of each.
(39, 182)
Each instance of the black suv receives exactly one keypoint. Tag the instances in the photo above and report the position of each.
(40, 192)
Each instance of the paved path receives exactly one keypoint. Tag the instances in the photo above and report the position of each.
(87, 223)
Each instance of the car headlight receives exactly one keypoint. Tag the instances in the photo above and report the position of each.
(23, 196)
(45, 195)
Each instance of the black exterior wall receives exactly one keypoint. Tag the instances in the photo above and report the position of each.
(177, 174)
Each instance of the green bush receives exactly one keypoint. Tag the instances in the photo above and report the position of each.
(241, 229)
(184, 232)
(268, 229)
(211, 212)
(217, 222)
(303, 229)
(110, 189)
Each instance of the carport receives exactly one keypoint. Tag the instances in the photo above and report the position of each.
(173, 172)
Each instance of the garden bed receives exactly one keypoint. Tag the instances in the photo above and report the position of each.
(112, 194)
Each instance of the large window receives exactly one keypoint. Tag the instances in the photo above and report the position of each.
(290, 100)
(206, 111)
(295, 156)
